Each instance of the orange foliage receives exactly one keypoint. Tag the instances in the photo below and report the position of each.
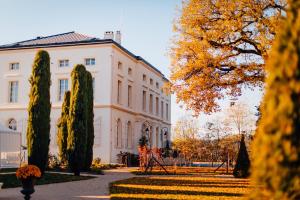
(27, 171)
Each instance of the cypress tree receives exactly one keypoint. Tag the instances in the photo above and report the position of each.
(90, 122)
(242, 166)
(62, 125)
(39, 108)
(276, 166)
(77, 124)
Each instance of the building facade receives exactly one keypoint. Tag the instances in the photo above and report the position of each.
(128, 94)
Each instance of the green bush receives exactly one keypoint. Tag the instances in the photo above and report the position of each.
(39, 108)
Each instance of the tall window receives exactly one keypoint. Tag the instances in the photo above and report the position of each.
(156, 137)
(13, 91)
(64, 63)
(167, 111)
(120, 66)
(12, 124)
(144, 77)
(151, 104)
(151, 81)
(151, 136)
(129, 96)
(119, 134)
(63, 87)
(129, 135)
(129, 71)
(119, 92)
(162, 109)
(144, 100)
(157, 85)
(90, 61)
(14, 66)
(157, 105)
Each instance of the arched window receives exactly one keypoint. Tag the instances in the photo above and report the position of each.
(157, 137)
(12, 124)
(151, 136)
(129, 135)
(119, 134)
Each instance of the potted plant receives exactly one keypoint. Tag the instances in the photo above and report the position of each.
(28, 174)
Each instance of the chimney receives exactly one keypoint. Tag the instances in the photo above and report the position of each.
(109, 35)
(118, 37)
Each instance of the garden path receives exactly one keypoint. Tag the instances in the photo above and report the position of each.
(96, 188)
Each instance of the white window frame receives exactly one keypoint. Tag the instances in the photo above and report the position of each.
(13, 91)
(14, 66)
(62, 90)
(90, 61)
(64, 63)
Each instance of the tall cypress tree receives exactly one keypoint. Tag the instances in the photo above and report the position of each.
(276, 166)
(77, 124)
(62, 131)
(38, 129)
(242, 166)
(90, 122)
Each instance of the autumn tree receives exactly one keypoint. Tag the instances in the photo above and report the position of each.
(219, 47)
(39, 108)
(62, 128)
(186, 138)
(276, 166)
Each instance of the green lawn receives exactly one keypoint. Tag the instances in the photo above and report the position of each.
(180, 187)
(10, 180)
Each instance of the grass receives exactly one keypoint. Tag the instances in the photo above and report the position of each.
(10, 180)
(180, 187)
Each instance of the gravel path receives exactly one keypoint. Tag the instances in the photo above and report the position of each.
(96, 188)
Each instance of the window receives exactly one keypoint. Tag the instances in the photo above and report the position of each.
(151, 104)
(144, 101)
(120, 66)
(157, 105)
(129, 95)
(129, 135)
(14, 66)
(63, 87)
(119, 92)
(151, 136)
(64, 63)
(13, 91)
(151, 81)
(129, 71)
(162, 109)
(90, 61)
(93, 88)
(157, 85)
(167, 111)
(12, 124)
(144, 77)
(119, 134)
(157, 137)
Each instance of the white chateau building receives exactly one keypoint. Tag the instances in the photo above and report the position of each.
(127, 90)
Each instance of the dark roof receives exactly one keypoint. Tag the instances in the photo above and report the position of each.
(68, 39)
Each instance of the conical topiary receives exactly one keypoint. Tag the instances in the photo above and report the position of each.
(39, 108)
(242, 166)
(276, 152)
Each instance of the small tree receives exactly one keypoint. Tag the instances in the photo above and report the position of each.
(39, 108)
(90, 122)
(242, 166)
(77, 124)
(62, 132)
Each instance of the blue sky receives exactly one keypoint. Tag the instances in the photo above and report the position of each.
(146, 27)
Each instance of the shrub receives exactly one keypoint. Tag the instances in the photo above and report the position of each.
(53, 162)
(77, 123)
(276, 152)
(39, 108)
(62, 131)
(242, 166)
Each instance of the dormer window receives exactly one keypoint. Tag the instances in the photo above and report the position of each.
(64, 63)
(90, 61)
(14, 66)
